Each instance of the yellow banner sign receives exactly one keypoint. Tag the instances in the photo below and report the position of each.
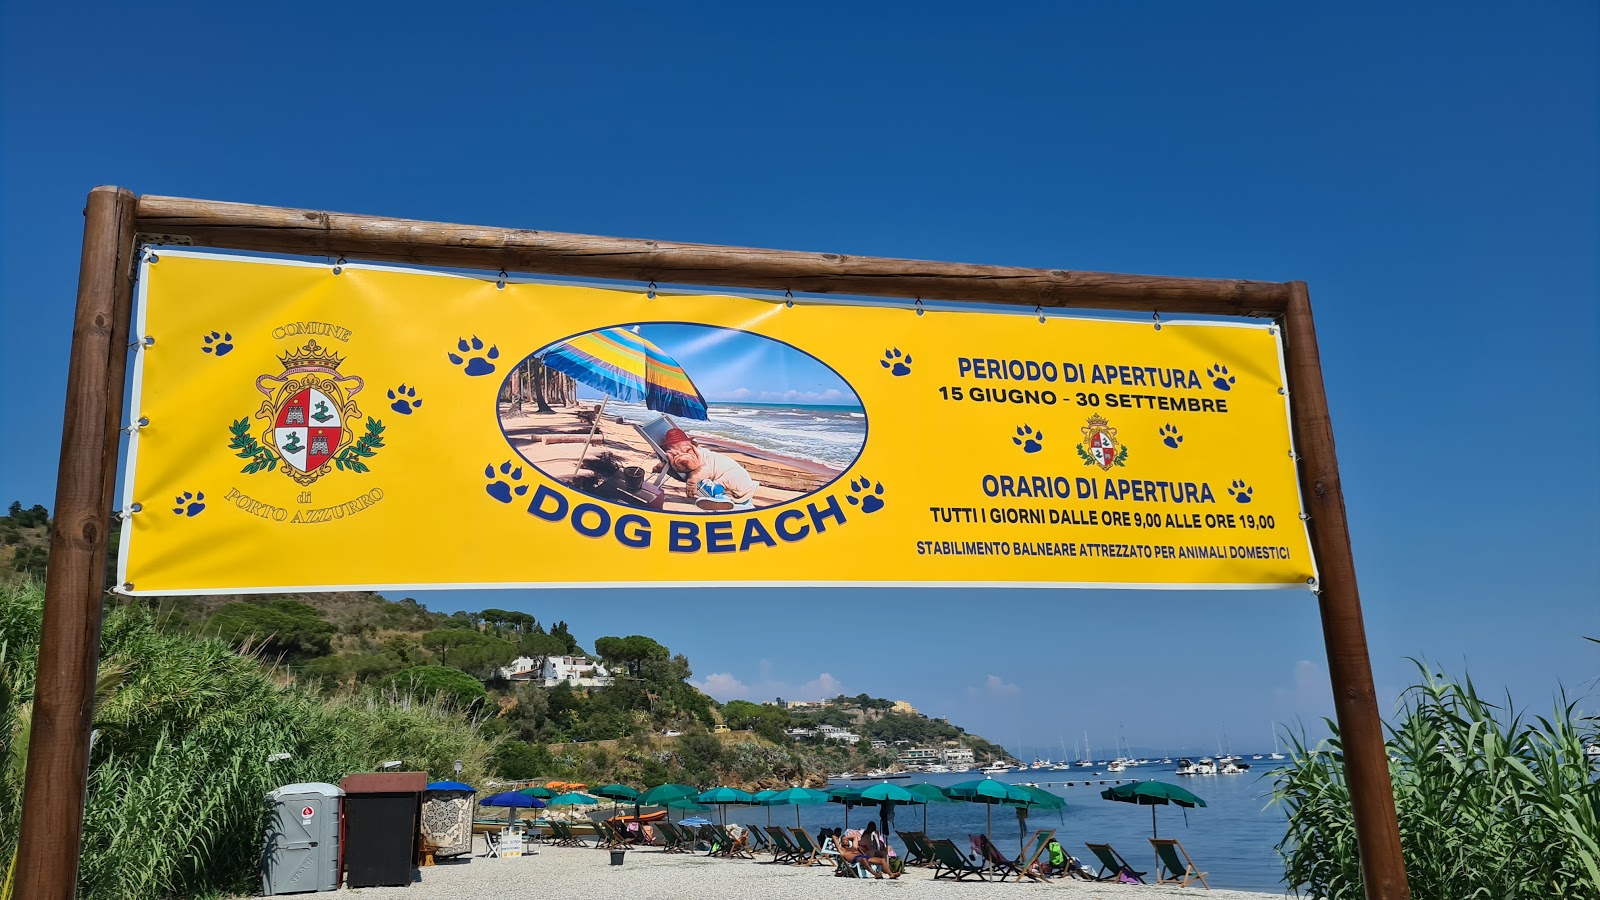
(309, 427)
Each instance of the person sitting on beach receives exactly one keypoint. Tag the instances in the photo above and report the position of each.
(713, 481)
(869, 850)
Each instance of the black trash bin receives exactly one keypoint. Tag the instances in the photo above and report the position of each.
(382, 818)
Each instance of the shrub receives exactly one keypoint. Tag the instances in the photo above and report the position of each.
(1491, 803)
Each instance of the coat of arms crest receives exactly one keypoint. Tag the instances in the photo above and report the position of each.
(1100, 446)
(310, 414)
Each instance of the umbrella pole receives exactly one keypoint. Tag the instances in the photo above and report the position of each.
(590, 439)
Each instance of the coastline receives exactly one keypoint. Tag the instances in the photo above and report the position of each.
(582, 873)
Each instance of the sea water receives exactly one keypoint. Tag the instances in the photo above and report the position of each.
(831, 435)
(1231, 839)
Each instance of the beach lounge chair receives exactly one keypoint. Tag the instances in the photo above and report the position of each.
(730, 847)
(759, 842)
(949, 863)
(1177, 871)
(997, 862)
(917, 849)
(673, 838)
(1033, 851)
(809, 851)
(784, 849)
(1112, 864)
(844, 868)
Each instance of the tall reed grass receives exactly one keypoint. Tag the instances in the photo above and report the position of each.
(180, 767)
(1492, 803)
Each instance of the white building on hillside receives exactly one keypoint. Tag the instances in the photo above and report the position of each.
(577, 671)
(919, 756)
(958, 756)
(835, 733)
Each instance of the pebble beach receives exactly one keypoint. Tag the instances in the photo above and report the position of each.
(582, 873)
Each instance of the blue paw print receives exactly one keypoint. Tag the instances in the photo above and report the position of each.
(1170, 436)
(501, 489)
(477, 365)
(896, 364)
(190, 504)
(405, 400)
(1028, 439)
(220, 343)
(1220, 379)
(1240, 491)
(870, 503)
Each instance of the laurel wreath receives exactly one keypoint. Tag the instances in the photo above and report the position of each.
(1122, 456)
(262, 459)
(365, 447)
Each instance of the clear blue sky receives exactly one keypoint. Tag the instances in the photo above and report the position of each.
(735, 366)
(1429, 169)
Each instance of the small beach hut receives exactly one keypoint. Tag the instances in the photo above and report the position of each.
(447, 816)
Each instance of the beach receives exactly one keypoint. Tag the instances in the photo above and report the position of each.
(555, 441)
(582, 873)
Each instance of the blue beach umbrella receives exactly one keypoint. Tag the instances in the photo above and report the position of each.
(451, 786)
(512, 801)
(620, 363)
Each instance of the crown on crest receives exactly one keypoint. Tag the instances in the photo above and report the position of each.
(1098, 421)
(311, 355)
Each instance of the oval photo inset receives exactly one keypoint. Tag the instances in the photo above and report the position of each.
(682, 418)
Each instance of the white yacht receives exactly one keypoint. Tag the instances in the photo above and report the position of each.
(937, 769)
(995, 768)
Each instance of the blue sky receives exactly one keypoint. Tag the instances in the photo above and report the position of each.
(1429, 169)
(739, 367)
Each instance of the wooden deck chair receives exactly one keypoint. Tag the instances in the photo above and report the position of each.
(949, 863)
(809, 851)
(734, 847)
(673, 838)
(918, 853)
(759, 842)
(1177, 871)
(1112, 864)
(784, 850)
(1034, 850)
(988, 853)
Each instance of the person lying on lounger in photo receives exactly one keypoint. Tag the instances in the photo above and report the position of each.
(714, 482)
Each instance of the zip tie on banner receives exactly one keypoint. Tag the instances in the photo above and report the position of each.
(650, 291)
(920, 310)
(127, 512)
(134, 428)
(143, 342)
(1039, 311)
(148, 254)
(338, 266)
(501, 284)
(1157, 317)
(788, 299)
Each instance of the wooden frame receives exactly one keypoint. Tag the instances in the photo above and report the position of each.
(116, 221)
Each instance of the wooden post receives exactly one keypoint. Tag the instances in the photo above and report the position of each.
(1354, 696)
(69, 643)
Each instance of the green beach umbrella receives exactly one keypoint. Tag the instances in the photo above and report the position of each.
(886, 797)
(761, 798)
(616, 792)
(723, 797)
(930, 793)
(573, 798)
(796, 797)
(1041, 799)
(540, 791)
(665, 794)
(989, 791)
(1152, 794)
(849, 795)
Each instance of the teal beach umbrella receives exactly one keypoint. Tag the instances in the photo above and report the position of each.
(988, 791)
(796, 797)
(723, 797)
(663, 794)
(930, 793)
(1152, 794)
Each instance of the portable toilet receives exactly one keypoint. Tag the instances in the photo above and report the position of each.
(302, 846)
